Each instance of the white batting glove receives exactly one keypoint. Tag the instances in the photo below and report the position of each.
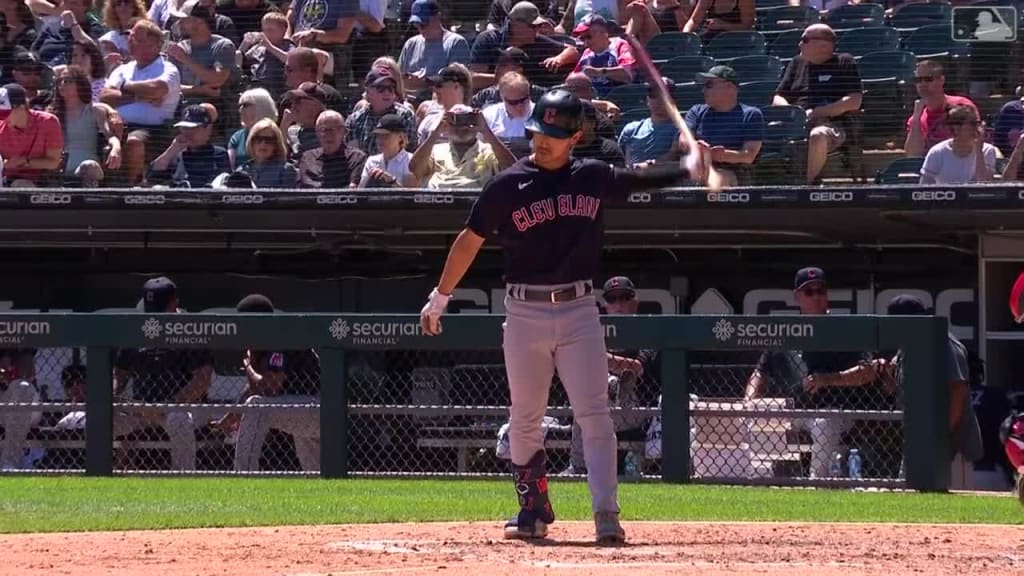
(430, 315)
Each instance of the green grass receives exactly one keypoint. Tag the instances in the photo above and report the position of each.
(33, 504)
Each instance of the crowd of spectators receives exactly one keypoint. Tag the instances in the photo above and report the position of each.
(367, 93)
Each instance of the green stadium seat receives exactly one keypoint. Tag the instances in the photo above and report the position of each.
(786, 44)
(669, 45)
(729, 45)
(785, 18)
(684, 68)
(784, 148)
(860, 41)
(887, 65)
(759, 67)
(851, 16)
(901, 171)
(688, 95)
(934, 41)
(629, 96)
(758, 94)
(918, 14)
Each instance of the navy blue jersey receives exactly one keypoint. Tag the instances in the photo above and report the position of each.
(158, 374)
(549, 222)
(301, 370)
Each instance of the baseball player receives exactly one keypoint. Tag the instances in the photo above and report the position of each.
(546, 211)
(291, 377)
(17, 386)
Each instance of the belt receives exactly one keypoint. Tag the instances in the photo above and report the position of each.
(567, 294)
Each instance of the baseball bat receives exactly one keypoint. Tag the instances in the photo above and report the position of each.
(715, 181)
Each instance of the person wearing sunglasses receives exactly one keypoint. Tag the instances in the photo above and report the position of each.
(827, 86)
(816, 379)
(269, 166)
(653, 139)
(965, 157)
(927, 125)
(507, 119)
(607, 61)
(383, 96)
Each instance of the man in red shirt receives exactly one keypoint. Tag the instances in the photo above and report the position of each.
(926, 127)
(31, 142)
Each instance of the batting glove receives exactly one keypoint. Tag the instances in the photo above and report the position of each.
(430, 315)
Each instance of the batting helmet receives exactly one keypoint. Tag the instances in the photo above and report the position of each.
(558, 114)
(1012, 427)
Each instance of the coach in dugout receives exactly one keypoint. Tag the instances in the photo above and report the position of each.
(163, 375)
(276, 377)
(815, 379)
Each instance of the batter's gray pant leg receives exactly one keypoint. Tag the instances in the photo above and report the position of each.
(576, 457)
(582, 362)
(528, 346)
(303, 426)
(181, 430)
(17, 424)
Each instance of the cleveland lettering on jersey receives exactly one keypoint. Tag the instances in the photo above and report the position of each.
(544, 210)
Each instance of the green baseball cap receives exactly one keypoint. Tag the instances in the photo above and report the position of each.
(720, 72)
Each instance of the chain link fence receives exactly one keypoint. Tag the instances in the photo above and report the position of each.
(754, 416)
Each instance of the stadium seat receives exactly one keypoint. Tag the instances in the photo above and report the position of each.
(729, 45)
(851, 16)
(629, 96)
(918, 14)
(784, 148)
(684, 68)
(630, 115)
(758, 94)
(785, 18)
(934, 41)
(901, 171)
(768, 4)
(687, 95)
(887, 65)
(669, 45)
(757, 68)
(860, 41)
(786, 44)
(888, 80)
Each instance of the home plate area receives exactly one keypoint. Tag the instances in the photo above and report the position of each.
(476, 548)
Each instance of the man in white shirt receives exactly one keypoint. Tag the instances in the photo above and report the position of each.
(507, 119)
(145, 92)
(965, 157)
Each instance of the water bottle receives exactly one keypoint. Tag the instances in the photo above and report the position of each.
(835, 468)
(854, 464)
(632, 465)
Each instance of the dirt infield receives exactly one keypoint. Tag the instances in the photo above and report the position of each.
(477, 549)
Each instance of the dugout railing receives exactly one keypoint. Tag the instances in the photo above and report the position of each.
(356, 349)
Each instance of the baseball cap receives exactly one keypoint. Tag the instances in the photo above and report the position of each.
(721, 72)
(906, 305)
(390, 124)
(12, 96)
(450, 74)
(593, 19)
(157, 294)
(805, 276)
(193, 9)
(309, 90)
(378, 76)
(25, 59)
(255, 303)
(194, 116)
(512, 55)
(526, 12)
(423, 11)
(619, 284)
(669, 84)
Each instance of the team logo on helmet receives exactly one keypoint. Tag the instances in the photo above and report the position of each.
(549, 115)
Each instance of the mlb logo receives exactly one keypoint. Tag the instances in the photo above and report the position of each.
(985, 23)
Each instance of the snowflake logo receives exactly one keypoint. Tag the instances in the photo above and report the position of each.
(723, 330)
(152, 328)
(339, 329)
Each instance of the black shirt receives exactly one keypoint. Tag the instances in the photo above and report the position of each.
(783, 374)
(158, 374)
(342, 168)
(245, 19)
(602, 149)
(992, 406)
(487, 48)
(201, 165)
(811, 85)
(550, 223)
(301, 370)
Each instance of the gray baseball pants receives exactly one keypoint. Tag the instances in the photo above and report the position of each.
(540, 337)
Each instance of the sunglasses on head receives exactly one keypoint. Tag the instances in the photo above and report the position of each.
(517, 101)
(618, 297)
